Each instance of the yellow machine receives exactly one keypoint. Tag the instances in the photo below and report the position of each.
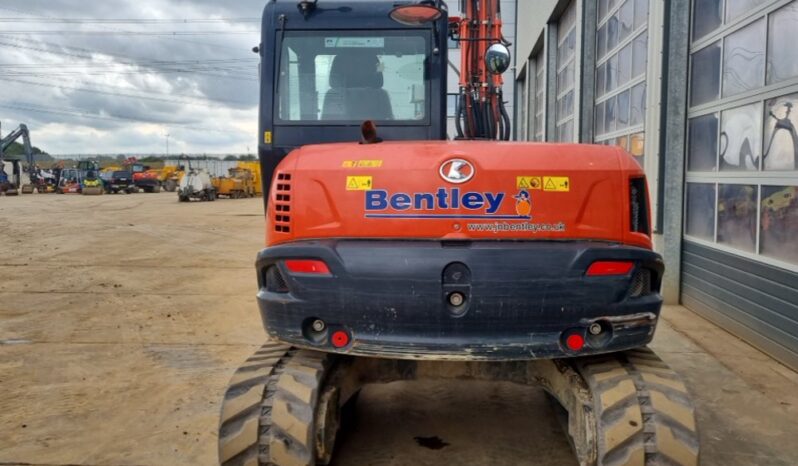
(239, 184)
(254, 169)
(169, 176)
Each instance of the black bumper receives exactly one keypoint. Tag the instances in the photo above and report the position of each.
(522, 298)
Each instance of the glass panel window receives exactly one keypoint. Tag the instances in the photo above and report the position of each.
(540, 96)
(601, 73)
(778, 223)
(781, 149)
(641, 12)
(744, 59)
(451, 104)
(700, 215)
(638, 112)
(626, 19)
(566, 73)
(612, 32)
(623, 110)
(625, 65)
(737, 8)
(601, 42)
(702, 154)
(609, 115)
(705, 75)
(637, 147)
(741, 138)
(640, 55)
(706, 17)
(782, 52)
(612, 73)
(521, 126)
(743, 135)
(599, 118)
(737, 207)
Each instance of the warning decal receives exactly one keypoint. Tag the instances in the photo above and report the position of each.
(556, 183)
(528, 182)
(358, 183)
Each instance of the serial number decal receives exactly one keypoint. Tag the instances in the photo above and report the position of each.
(361, 164)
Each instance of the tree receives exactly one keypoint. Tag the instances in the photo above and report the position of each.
(248, 157)
(230, 158)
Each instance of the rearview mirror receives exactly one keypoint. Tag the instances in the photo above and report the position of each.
(497, 59)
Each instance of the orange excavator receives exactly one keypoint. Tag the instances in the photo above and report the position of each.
(394, 254)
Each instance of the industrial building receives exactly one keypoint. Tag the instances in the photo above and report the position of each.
(701, 93)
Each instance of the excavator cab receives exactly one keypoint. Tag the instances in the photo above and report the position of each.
(326, 67)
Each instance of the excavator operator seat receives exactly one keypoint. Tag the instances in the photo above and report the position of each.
(356, 91)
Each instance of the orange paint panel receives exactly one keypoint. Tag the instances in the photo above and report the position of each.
(454, 190)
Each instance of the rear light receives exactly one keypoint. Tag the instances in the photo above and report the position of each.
(339, 338)
(638, 206)
(309, 266)
(575, 342)
(607, 268)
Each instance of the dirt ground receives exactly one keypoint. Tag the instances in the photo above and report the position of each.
(122, 318)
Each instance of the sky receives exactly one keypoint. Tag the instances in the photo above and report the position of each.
(118, 76)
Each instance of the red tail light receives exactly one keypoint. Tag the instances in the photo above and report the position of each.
(339, 339)
(605, 268)
(575, 342)
(310, 266)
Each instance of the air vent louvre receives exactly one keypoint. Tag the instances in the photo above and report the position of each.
(282, 203)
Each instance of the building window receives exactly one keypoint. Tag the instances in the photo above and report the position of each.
(566, 74)
(621, 62)
(451, 105)
(521, 89)
(537, 120)
(742, 154)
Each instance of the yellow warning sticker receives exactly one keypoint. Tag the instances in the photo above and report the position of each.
(528, 182)
(267, 137)
(556, 183)
(358, 183)
(361, 164)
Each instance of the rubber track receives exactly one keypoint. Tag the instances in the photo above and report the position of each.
(292, 416)
(247, 406)
(644, 413)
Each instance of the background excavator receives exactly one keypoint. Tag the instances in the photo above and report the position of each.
(15, 176)
(405, 256)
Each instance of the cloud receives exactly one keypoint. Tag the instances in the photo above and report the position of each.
(123, 92)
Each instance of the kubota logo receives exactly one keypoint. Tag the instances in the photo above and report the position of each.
(457, 171)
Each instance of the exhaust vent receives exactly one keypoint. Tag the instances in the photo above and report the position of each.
(282, 203)
(638, 206)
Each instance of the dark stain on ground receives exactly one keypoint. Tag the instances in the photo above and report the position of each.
(433, 443)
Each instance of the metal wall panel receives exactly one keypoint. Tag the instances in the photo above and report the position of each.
(755, 301)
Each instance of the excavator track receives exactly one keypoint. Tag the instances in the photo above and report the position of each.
(247, 405)
(627, 408)
(269, 410)
(643, 412)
